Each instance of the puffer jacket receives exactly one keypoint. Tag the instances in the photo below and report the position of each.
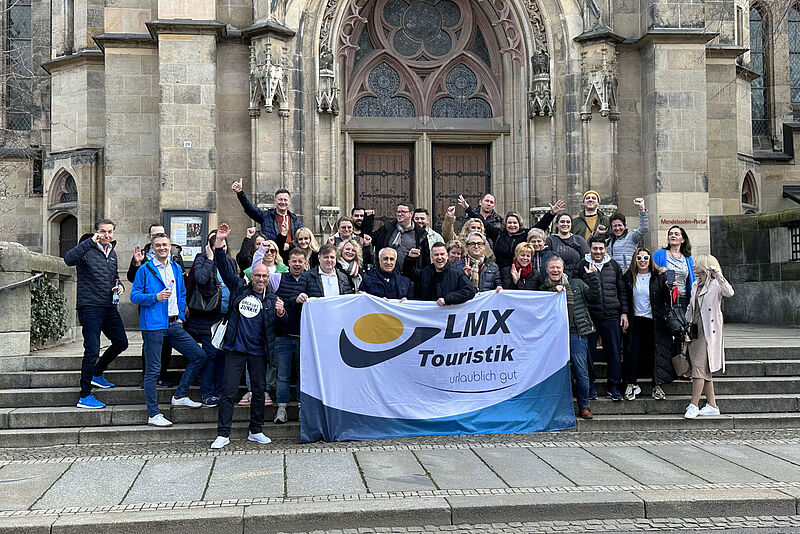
(664, 373)
(450, 284)
(489, 277)
(584, 293)
(532, 282)
(390, 285)
(613, 300)
(97, 273)
(622, 248)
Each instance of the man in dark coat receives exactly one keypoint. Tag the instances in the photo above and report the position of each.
(486, 212)
(384, 281)
(407, 238)
(271, 220)
(439, 282)
(610, 313)
(324, 280)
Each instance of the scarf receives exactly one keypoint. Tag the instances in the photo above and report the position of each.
(399, 235)
(524, 272)
(350, 268)
(475, 272)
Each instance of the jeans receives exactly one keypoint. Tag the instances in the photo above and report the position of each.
(211, 376)
(640, 349)
(580, 369)
(235, 364)
(166, 358)
(96, 319)
(286, 350)
(177, 337)
(610, 331)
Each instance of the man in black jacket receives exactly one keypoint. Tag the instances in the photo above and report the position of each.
(140, 256)
(407, 238)
(439, 282)
(271, 220)
(324, 280)
(98, 280)
(249, 341)
(610, 314)
(486, 213)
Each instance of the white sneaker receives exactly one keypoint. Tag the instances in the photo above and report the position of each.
(280, 415)
(258, 438)
(185, 401)
(220, 442)
(691, 412)
(708, 410)
(246, 399)
(631, 391)
(159, 420)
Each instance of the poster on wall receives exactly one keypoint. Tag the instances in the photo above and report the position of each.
(187, 230)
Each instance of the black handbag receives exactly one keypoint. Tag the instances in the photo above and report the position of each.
(677, 322)
(200, 303)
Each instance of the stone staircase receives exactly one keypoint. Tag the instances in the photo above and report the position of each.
(760, 390)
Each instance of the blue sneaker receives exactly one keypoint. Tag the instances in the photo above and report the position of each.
(90, 403)
(614, 393)
(210, 402)
(101, 382)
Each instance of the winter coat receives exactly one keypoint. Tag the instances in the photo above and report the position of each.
(584, 293)
(532, 282)
(660, 298)
(705, 304)
(613, 300)
(505, 244)
(494, 220)
(451, 284)
(154, 313)
(382, 238)
(390, 285)
(622, 248)
(267, 218)
(311, 284)
(280, 240)
(539, 261)
(240, 289)
(580, 227)
(97, 274)
(660, 259)
(288, 289)
(571, 250)
(243, 258)
(175, 257)
(489, 276)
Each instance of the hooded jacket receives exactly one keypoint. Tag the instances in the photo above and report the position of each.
(613, 300)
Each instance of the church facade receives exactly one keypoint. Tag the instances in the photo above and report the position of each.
(146, 111)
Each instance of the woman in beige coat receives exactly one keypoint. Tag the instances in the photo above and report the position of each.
(706, 353)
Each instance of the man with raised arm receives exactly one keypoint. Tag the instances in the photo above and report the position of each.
(273, 219)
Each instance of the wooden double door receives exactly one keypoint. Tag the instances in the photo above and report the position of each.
(385, 176)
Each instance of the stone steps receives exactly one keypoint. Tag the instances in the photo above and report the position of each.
(676, 404)
(724, 385)
(651, 422)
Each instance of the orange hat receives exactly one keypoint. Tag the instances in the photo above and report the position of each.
(591, 192)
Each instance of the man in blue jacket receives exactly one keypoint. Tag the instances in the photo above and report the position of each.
(271, 220)
(159, 291)
(98, 273)
(384, 280)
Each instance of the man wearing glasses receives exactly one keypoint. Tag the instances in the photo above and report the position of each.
(408, 239)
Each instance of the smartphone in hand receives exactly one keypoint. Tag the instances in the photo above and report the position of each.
(670, 277)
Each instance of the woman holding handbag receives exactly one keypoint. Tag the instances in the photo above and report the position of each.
(648, 342)
(707, 352)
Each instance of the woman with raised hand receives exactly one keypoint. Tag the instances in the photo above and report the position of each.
(268, 254)
(707, 352)
(541, 253)
(471, 225)
(252, 240)
(649, 340)
(512, 234)
(521, 274)
(569, 247)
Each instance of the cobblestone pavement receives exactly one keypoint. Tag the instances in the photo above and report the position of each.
(730, 525)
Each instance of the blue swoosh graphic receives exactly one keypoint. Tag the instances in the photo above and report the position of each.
(359, 358)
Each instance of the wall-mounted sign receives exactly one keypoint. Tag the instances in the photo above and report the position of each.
(187, 229)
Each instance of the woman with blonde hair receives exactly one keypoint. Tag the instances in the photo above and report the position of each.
(707, 352)
(350, 260)
(537, 237)
(521, 274)
(470, 225)
(267, 253)
(305, 240)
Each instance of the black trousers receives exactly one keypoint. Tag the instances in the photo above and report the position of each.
(640, 353)
(235, 363)
(96, 319)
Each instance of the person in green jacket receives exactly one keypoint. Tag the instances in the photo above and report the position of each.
(591, 221)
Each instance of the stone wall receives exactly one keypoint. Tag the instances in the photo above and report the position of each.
(755, 254)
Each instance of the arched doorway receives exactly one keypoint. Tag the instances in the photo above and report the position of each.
(749, 194)
(67, 234)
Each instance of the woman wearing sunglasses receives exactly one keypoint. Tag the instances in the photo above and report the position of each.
(268, 254)
(649, 340)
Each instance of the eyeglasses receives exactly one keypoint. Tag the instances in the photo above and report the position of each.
(260, 275)
(642, 257)
(475, 244)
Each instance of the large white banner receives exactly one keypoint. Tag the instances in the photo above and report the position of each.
(372, 368)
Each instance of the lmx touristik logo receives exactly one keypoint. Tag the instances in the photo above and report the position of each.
(382, 328)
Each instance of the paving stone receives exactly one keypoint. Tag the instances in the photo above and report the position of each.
(582, 468)
(347, 514)
(458, 469)
(322, 473)
(719, 502)
(755, 460)
(704, 465)
(170, 479)
(545, 507)
(93, 483)
(183, 521)
(21, 485)
(643, 466)
(520, 468)
(790, 453)
(27, 525)
(392, 471)
(246, 477)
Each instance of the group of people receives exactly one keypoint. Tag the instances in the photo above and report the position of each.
(619, 296)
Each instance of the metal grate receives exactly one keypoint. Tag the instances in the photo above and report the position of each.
(794, 242)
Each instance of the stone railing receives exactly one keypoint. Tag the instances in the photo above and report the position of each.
(18, 268)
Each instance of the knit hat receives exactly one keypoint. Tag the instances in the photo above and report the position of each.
(591, 192)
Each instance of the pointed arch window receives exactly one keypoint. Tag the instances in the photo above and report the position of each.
(749, 194)
(794, 59)
(759, 88)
